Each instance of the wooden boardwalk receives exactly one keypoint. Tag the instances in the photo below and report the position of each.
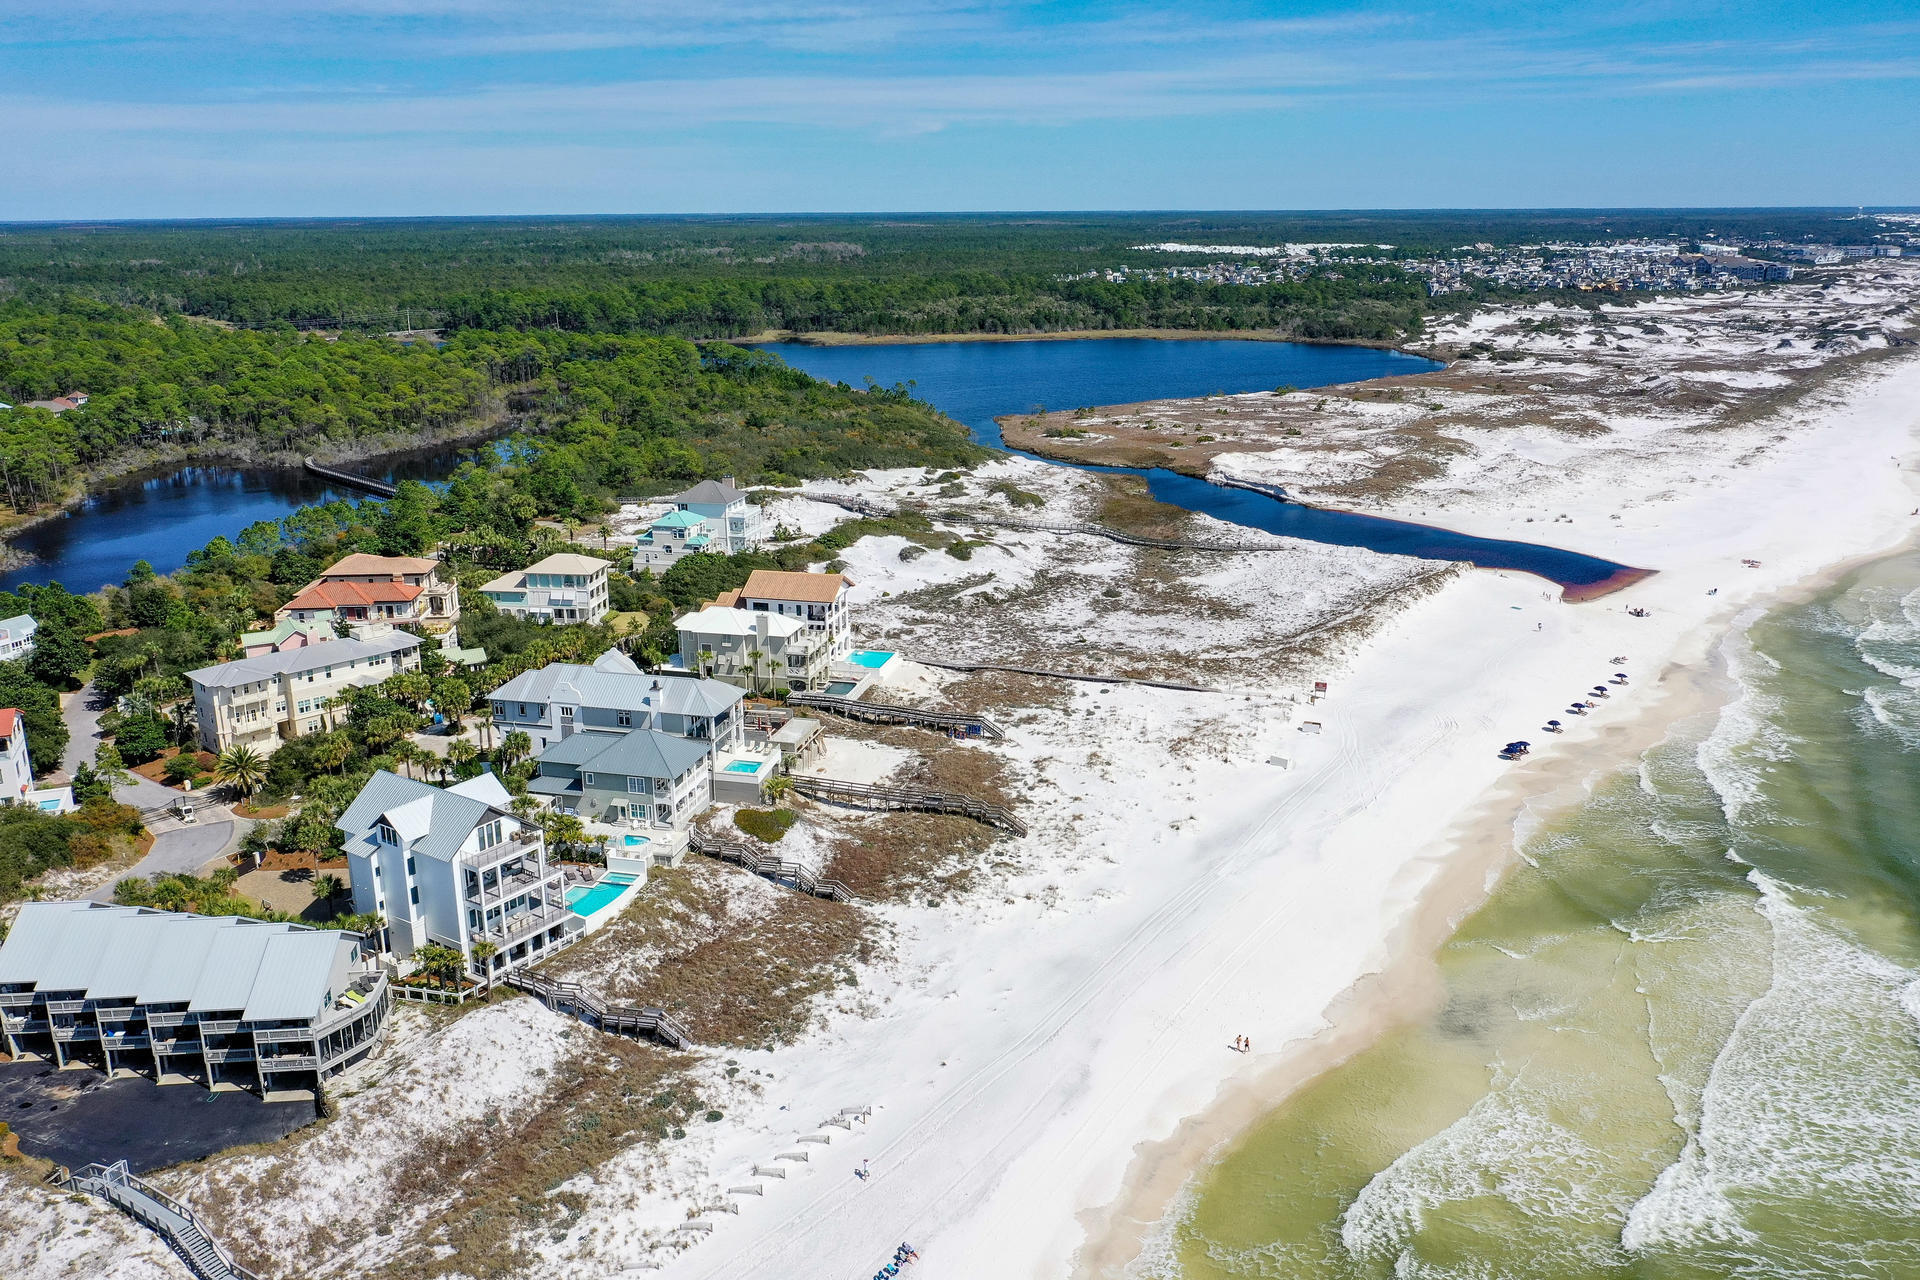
(367, 484)
(792, 874)
(633, 1021)
(161, 1214)
(1090, 677)
(960, 723)
(866, 795)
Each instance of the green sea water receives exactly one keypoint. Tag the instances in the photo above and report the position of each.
(1682, 1039)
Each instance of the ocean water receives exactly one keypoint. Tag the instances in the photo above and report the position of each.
(1682, 1038)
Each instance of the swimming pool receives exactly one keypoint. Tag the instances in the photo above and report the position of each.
(745, 766)
(585, 900)
(872, 659)
(634, 842)
(840, 688)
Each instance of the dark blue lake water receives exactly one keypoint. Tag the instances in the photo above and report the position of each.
(975, 382)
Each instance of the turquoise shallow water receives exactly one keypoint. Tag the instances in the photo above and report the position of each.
(1681, 1040)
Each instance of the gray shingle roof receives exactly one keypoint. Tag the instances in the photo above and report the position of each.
(264, 971)
(570, 683)
(330, 654)
(708, 492)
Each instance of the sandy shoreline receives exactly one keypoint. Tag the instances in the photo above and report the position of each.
(1474, 856)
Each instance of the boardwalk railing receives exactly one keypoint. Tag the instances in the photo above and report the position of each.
(162, 1214)
(1092, 677)
(959, 722)
(348, 478)
(866, 795)
(793, 874)
(632, 1021)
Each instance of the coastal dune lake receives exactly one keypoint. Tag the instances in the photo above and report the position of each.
(163, 518)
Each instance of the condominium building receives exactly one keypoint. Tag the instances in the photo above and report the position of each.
(560, 588)
(16, 637)
(260, 701)
(212, 1000)
(404, 590)
(612, 696)
(454, 866)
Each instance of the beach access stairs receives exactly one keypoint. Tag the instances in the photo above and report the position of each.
(636, 1022)
(794, 875)
(953, 723)
(160, 1213)
(868, 795)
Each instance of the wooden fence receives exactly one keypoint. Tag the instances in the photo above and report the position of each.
(633, 1021)
(866, 795)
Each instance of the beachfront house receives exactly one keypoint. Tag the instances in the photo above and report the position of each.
(403, 590)
(561, 588)
(818, 599)
(217, 1001)
(16, 637)
(613, 696)
(755, 649)
(735, 522)
(16, 770)
(454, 866)
(671, 538)
(635, 779)
(260, 701)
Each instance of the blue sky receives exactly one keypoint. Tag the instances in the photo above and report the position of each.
(162, 108)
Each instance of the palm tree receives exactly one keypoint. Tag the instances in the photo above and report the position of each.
(513, 748)
(326, 888)
(753, 667)
(242, 768)
(461, 753)
(331, 751)
(779, 786)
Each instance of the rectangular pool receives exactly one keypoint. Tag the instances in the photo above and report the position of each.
(873, 659)
(585, 900)
(744, 766)
(840, 688)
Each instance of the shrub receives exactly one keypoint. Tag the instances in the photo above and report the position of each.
(181, 767)
(1016, 496)
(766, 825)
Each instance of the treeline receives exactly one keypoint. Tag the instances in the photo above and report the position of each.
(614, 414)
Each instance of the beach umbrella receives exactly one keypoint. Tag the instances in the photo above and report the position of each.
(1555, 723)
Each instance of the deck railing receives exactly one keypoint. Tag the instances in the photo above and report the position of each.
(867, 795)
(633, 1021)
(795, 874)
(162, 1214)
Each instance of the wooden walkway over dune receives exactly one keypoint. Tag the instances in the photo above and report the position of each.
(950, 722)
(867, 795)
(795, 875)
(633, 1021)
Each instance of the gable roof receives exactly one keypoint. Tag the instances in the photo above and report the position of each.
(808, 588)
(716, 620)
(362, 563)
(329, 654)
(19, 622)
(559, 562)
(435, 821)
(266, 971)
(710, 491)
(9, 721)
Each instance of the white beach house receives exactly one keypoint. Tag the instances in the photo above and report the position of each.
(735, 524)
(258, 702)
(16, 770)
(756, 649)
(562, 588)
(16, 637)
(613, 696)
(818, 599)
(454, 866)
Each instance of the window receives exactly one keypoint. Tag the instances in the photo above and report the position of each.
(410, 870)
(587, 778)
(413, 895)
(384, 832)
(637, 786)
(624, 719)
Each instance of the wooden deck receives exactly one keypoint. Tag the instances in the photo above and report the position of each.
(633, 1021)
(957, 723)
(794, 875)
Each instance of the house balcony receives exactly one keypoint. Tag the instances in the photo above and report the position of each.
(289, 1062)
(234, 1053)
(525, 924)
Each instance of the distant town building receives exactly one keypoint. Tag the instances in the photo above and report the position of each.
(60, 404)
(735, 522)
(212, 1000)
(613, 696)
(260, 701)
(454, 866)
(16, 637)
(16, 770)
(562, 588)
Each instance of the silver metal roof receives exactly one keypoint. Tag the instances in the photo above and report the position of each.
(332, 653)
(596, 686)
(434, 821)
(264, 971)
